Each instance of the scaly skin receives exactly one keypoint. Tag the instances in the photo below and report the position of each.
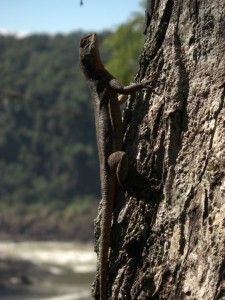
(113, 161)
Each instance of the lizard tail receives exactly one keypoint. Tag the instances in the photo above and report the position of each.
(106, 221)
(103, 271)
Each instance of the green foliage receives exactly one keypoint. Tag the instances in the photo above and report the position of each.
(48, 158)
(47, 132)
(125, 45)
(49, 183)
(35, 221)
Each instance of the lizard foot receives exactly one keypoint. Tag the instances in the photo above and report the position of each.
(118, 161)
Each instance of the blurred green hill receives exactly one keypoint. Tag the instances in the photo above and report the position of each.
(49, 182)
(48, 158)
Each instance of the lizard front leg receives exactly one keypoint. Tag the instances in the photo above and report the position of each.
(118, 161)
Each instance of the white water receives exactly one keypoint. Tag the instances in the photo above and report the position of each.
(60, 259)
(78, 258)
(77, 296)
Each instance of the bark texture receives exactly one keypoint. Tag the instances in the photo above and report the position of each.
(168, 234)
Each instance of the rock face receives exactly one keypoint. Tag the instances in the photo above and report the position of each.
(168, 234)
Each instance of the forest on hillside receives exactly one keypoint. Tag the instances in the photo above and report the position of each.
(49, 183)
(48, 158)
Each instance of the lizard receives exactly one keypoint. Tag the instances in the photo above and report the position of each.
(113, 160)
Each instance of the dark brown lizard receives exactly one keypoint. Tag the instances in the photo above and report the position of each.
(113, 161)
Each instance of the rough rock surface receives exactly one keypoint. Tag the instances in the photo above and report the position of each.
(168, 235)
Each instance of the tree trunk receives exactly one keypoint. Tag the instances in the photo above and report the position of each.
(168, 232)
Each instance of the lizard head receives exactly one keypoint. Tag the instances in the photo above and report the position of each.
(89, 44)
(89, 53)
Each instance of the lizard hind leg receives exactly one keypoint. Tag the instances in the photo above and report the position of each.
(118, 161)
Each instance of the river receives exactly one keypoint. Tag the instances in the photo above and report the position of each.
(49, 270)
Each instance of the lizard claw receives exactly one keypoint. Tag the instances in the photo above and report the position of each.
(151, 79)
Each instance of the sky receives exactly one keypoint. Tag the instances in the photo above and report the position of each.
(64, 16)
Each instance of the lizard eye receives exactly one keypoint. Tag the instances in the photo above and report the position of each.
(86, 41)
